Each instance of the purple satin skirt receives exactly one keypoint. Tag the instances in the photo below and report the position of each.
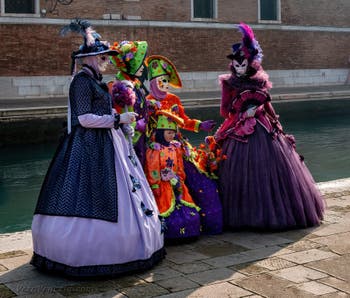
(265, 185)
(204, 192)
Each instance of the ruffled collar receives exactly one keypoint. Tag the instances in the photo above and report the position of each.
(89, 69)
(158, 146)
(98, 77)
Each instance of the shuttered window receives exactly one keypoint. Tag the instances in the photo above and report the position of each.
(20, 6)
(204, 9)
(269, 10)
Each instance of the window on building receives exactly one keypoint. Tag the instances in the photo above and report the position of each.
(20, 7)
(269, 10)
(204, 9)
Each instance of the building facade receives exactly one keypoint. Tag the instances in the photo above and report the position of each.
(304, 42)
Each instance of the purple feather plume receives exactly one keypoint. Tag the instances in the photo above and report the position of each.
(247, 32)
(251, 47)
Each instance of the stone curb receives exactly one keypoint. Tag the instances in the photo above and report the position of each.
(50, 112)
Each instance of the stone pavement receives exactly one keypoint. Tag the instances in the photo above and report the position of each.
(312, 262)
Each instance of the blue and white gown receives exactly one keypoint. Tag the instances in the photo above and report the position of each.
(96, 214)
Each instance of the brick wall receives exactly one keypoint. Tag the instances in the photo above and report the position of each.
(35, 49)
(236, 11)
(295, 12)
(167, 10)
(39, 50)
(316, 12)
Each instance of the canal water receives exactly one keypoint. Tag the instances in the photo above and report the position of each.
(321, 129)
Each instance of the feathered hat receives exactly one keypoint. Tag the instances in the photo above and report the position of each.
(159, 66)
(130, 55)
(92, 45)
(248, 49)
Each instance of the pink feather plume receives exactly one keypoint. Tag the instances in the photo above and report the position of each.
(249, 42)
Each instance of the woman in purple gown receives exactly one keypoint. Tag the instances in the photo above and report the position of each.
(263, 182)
(96, 215)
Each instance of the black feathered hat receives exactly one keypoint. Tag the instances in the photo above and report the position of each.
(248, 49)
(92, 45)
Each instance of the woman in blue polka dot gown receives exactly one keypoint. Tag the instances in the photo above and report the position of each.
(96, 214)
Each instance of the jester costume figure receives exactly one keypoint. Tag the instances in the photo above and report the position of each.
(203, 189)
(165, 173)
(130, 64)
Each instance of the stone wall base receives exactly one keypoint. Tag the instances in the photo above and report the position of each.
(58, 86)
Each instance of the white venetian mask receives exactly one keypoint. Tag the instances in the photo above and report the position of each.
(240, 68)
(163, 83)
(102, 61)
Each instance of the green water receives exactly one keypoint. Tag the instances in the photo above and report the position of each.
(321, 129)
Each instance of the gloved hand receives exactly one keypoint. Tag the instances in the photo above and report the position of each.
(128, 130)
(250, 112)
(210, 141)
(207, 125)
(153, 105)
(128, 117)
(141, 125)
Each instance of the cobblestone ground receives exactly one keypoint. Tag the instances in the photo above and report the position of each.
(312, 262)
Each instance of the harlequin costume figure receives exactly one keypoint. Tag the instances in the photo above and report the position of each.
(166, 176)
(264, 183)
(130, 64)
(96, 214)
(162, 74)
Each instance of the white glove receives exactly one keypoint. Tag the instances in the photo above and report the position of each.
(251, 112)
(128, 130)
(128, 117)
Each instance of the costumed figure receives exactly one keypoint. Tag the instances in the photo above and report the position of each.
(166, 176)
(263, 182)
(162, 74)
(130, 64)
(96, 214)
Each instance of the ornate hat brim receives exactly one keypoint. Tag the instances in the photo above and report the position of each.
(174, 79)
(107, 52)
(177, 119)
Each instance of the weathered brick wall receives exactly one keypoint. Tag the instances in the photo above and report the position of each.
(304, 50)
(237, 11)
(39, 50)
(167, 10)
(316, 12)
(78, 8)
(293, 12)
